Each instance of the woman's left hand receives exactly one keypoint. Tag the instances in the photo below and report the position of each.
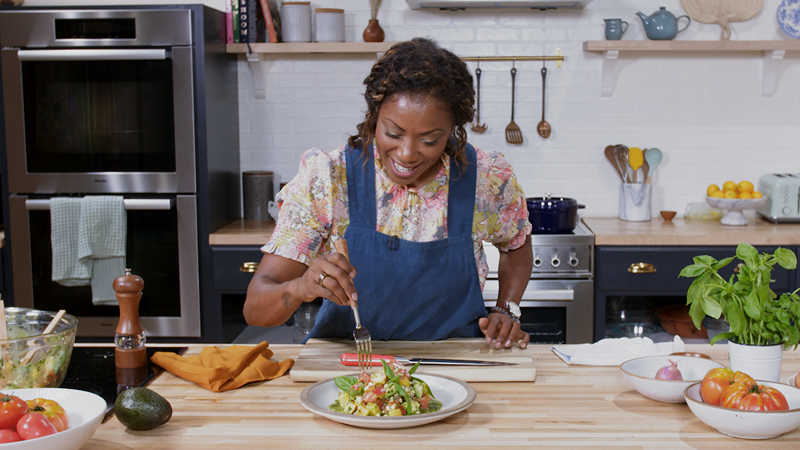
(503, 330)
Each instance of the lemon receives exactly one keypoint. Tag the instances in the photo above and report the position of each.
(716, 194)
(730, 194)
(711, 188)
(745, 186)
(756, 194)
(745, 195)
(729, 186)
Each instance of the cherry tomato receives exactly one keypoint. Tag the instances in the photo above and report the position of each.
(9, 436)
(51, 410)
(34, 425)
(719, 379)
(753, 397)
(11, 409)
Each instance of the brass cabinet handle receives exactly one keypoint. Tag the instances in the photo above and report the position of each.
(641, 268)
(249, 267)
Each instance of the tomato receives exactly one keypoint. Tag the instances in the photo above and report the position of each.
(719, 379)
(34, 425)
(753, 397)
(11, 409)
(9, 436)
(51, 410)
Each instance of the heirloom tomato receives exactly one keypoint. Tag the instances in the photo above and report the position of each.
(51, 410)
(11, 409)
(719, 379)
(34, 425)
(753, 397)
(9, 436)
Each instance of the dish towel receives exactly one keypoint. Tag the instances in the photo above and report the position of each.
(223, 369)
(613, 352)
(102, 234)
(65, 216)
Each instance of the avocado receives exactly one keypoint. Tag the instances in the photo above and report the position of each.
(141, 409)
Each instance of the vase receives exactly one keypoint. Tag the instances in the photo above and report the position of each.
(373, 32)
(762, 362)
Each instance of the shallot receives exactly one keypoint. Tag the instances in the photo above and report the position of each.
(669, 372)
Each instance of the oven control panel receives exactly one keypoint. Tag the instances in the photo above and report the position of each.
(561, 260)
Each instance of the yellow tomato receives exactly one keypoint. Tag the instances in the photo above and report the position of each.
(745, 195)
(756, 194)
(729, 186)
(730, 194)
(716, 194)
(745, 186)
(712, 188)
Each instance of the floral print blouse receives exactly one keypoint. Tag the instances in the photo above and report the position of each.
(314, 207)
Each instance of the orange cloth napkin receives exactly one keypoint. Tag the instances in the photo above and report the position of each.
(223, 369)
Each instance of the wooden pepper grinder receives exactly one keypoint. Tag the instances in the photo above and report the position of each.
(129, 340)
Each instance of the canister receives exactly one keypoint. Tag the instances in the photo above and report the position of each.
(330, 25)
(257, 192)
(296, 21)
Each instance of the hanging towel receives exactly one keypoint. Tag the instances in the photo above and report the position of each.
(102, 234)
(68, 270)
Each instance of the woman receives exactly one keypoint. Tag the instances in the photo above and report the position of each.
(414, 202)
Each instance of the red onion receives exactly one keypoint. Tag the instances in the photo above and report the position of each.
(669, 372)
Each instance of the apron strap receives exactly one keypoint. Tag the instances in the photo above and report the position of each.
(461, 195)
(361, 189)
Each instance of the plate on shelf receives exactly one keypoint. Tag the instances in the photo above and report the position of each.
(455, 395)
(789, 17)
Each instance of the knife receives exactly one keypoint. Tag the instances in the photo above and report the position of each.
(351, 359)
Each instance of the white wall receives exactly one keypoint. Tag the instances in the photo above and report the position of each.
(704, 111)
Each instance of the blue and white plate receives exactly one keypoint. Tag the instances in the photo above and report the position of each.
(789, 17)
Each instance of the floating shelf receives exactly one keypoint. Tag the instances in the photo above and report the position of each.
(772, 53)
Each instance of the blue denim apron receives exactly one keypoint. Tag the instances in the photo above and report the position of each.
(408, 290)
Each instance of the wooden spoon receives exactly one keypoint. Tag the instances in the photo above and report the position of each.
(478, 127)
(654, 158)
(635, 159)
(513, 133)
(50, 327)
(609, 152)
(543, 127)
(621, 155)
(645, 165)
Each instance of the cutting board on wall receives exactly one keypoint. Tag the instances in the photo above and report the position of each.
(319, 359)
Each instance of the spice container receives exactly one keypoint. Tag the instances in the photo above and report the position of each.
(330, 25)
(296, 21)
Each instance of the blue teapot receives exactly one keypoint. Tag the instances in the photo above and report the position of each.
(662, 24)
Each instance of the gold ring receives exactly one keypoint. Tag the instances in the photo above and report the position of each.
(321, 278)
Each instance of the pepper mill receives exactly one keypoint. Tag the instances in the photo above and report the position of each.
(129, 340)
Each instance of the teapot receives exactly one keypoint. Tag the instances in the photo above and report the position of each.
(662, 24)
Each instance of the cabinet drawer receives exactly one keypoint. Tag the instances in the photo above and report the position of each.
(227, 264)
(613, 263)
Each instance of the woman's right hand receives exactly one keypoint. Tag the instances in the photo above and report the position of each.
(330, 276)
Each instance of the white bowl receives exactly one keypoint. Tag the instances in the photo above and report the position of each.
(641, 373)
(84, 410)
(735, 206)
(748, 424)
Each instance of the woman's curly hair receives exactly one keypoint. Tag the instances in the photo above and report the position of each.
(420, 67)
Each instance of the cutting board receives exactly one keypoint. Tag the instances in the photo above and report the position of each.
(319, 359)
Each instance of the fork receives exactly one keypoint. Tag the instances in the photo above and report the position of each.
(360, 334)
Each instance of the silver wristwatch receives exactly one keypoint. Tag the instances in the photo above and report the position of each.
(510, 309)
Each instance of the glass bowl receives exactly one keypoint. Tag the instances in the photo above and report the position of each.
(30, 359)
(734, 208)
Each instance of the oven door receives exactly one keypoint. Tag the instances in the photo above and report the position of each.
(87, 120)
(161, 248)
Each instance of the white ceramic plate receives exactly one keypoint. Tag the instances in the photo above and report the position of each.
(792, 381)
(454, 394)
(84, 409)
(789, 17)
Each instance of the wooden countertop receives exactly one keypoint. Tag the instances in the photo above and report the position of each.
(612, 231)
(243, 232)
(567, 406)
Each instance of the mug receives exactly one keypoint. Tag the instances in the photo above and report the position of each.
(615, 29)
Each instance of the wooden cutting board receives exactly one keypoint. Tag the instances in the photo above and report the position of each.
(319, 359)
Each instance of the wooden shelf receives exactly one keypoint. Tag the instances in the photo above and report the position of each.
(772, 53)
(312, 47)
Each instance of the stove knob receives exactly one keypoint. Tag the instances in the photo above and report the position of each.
(555, 262)
(573, 260)
(537, 260)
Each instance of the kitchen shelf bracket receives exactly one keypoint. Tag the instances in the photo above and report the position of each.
(609, 65)
(769, 78)
(256, 62)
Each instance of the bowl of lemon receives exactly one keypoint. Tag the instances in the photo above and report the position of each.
(734, 198)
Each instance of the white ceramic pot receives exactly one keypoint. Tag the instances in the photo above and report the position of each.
(762, 362)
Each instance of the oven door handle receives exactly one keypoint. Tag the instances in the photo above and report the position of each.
(91, 54)
(139, 204)
(490, 293)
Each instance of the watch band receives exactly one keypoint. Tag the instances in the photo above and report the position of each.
(504, 309)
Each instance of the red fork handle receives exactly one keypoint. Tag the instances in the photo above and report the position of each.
(351, 359)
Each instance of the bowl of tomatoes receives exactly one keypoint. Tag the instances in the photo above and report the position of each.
(736, 405)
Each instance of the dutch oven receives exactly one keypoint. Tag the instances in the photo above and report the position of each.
(552, 215)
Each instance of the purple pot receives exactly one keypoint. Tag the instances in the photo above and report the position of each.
(552, 215)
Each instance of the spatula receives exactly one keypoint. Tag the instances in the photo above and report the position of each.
(513, 133)
(635, 159)
(654, 157)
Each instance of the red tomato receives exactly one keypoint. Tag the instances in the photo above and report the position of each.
(34, 425)
(753, 397)
(51, 410)
(11, 409)
(9, 436)
(719, 379)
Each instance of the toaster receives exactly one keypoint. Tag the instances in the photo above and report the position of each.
(783, 197)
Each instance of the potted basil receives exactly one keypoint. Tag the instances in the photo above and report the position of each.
(762, 324)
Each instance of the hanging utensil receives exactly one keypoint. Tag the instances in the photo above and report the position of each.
(654, 158)
(635, 160)
(543, 127)
(478, 127)
(609, 152)
(513, 133)
(621, 155)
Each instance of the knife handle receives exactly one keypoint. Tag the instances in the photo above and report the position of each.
(351, 359)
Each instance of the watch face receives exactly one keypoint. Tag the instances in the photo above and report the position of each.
(514, 309)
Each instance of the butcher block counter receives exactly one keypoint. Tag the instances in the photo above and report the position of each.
(613, 231)
(567, 406)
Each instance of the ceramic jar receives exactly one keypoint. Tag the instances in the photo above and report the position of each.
(296, 21)
(330, 25)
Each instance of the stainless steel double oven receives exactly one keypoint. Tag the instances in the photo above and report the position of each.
(102, 102)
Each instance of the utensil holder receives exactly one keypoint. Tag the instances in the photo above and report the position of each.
(634, 201)
(257, 193)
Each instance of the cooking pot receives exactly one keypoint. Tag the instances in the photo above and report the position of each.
(552, 215)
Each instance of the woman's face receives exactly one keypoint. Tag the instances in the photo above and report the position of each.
(411, 134)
